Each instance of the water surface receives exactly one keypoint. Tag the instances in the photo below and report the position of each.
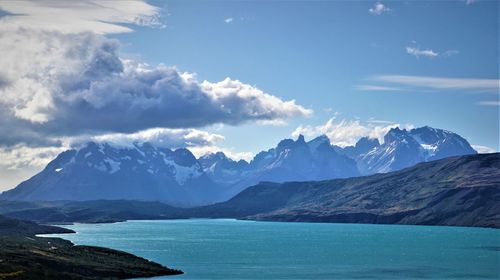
(231, 249)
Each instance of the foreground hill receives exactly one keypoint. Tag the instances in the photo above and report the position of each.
(25, 256)
(457, 191)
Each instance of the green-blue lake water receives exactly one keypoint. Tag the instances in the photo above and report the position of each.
(231, 249)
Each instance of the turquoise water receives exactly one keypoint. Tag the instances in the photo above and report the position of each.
(231, 249)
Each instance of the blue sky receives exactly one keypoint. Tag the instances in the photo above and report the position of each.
(74, 73)
(318, 53)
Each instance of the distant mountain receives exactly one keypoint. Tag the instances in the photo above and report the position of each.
(102, 171)
(403, 148)
(458, 191)
(148, 173)
(289, 161)
(95, 211)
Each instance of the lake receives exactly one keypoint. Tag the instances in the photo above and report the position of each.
(232, 249)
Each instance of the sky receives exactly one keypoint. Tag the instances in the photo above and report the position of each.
(239, 76)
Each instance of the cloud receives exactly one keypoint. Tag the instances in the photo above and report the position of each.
(489, 103)
(347, 132)
(429, 53)
(160, 137)
(56, 84)
(22, 156)
(470, 2)
(440, 83)
(199, 151)
(100, 17)
(379, 8)
(483, 149)
(417, 52)
(63, 82)
(229, 20)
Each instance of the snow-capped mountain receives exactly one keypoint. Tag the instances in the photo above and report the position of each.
(222, 169)
(289, 161)
(145, 172)
(102, 171)
(403, 148)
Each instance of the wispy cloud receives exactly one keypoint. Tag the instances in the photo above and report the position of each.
(483, 149)
(100, 17)
(379, 8)
(430, 53)
(229, 20)
(441, 83)
(489, 103)
(418, 52)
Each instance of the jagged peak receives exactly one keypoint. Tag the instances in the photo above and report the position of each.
(300, 139)
(367, 141)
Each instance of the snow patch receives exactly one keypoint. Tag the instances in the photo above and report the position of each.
(184, 173)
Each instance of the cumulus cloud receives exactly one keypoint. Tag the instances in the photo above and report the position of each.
(62, 81)
(79, 83)
(228, 20)
(347, 132)
(57, 83)
(379, 8)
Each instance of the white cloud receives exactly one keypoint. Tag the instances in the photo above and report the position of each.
(347, 132)
(160, 137)
(21, 156)
(57, 84)
(62, 81)
(99, 17)
(440, 82)
(418, 52)
(483, 149)
(199, 151)
(470, 2)
(379, 8)
(229, 20)
(489, 103)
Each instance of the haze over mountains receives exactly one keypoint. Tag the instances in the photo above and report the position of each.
(145, 172)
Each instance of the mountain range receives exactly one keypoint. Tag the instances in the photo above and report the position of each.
(148, 173)
(457, 191)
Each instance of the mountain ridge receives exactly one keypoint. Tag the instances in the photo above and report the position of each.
(144, 172)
